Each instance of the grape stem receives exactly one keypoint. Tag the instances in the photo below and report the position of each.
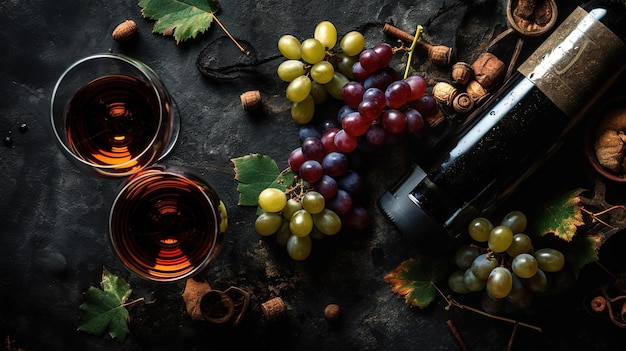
(247, 53)
(132, 302)
(418, 32)
(451, 302)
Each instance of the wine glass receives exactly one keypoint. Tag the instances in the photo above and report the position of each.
(167, 223)
(112, 115)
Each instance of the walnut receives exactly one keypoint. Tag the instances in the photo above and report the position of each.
(610, 149)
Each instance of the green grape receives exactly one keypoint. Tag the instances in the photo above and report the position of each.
(352, 43)
(491, 304)
(322, 72)
(345, 65)
(483, 265)
(335, 86)
(268, 223)
(316, 234)
(312, 51)
(283, 233)
(298, 89)
(326, 33)
(550, 260)
(290, 69)
(479, 229)
(517, 290)
(301, 223)
(299, 247)
(302, 112)
(500, 238)
(465, 255)
(313, 202)
(500, 282)
(456, 282)
(289, 46)
(521, 244)
(318, 92)
(516, 220)
(524, 265)
(473, 283)
(291, 207)
(538, 282)
(327, 221)
(272, 200)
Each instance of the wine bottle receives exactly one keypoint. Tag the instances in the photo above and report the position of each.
(506, 139)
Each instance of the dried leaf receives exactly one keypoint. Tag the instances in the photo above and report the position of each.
(561, 217)
(256, 172)
(192, 295)
(103, 310)
(184, 19)
(414, 279)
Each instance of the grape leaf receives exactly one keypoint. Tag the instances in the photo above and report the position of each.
(103, 309)
(583, 251)
(184, 19)
(561, 216)
(256, 172)
(414, 279)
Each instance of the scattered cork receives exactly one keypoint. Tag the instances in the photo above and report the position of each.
(124, 31)
(332, 312)
(274, 309)
(251, 100)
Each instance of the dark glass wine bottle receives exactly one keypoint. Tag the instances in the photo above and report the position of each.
(505, 140)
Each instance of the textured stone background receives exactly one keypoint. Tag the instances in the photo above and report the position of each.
(53, 235)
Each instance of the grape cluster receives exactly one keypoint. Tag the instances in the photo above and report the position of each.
(314, 69)
(509, 269)
(295, 221)
(380, 106)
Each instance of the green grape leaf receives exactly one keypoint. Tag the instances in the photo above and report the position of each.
(561, 216)
(104, 310)
(184, 19)
(256, 172)
(414, 279)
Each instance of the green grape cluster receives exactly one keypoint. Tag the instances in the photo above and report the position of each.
(314, 68)
(295, 221)
(503, 263)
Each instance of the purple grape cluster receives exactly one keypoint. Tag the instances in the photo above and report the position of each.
(381, 107)
(329, 172)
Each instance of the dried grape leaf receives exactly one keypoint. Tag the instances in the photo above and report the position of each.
(184, 19)
(561, 216)
(104, 310)
(192, 295)
(414, 279)
(256, 172)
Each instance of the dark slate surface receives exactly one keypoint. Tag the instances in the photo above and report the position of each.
(54, 241)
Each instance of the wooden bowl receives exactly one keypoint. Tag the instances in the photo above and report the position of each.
(534, 29)
(601, 120)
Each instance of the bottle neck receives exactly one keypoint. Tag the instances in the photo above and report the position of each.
(613, 15)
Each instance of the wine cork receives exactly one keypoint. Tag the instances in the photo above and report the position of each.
(251, 100)
(274, 309)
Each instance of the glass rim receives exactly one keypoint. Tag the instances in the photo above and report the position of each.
(178, 173)
(146, 72)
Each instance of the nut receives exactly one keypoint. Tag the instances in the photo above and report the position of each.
(124, 30)
(332, 312)
(462, 72)
(274, 309)
(251, 100)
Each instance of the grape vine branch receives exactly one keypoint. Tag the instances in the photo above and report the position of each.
(452, 302)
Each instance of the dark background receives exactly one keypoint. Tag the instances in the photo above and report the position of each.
(54, 236)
